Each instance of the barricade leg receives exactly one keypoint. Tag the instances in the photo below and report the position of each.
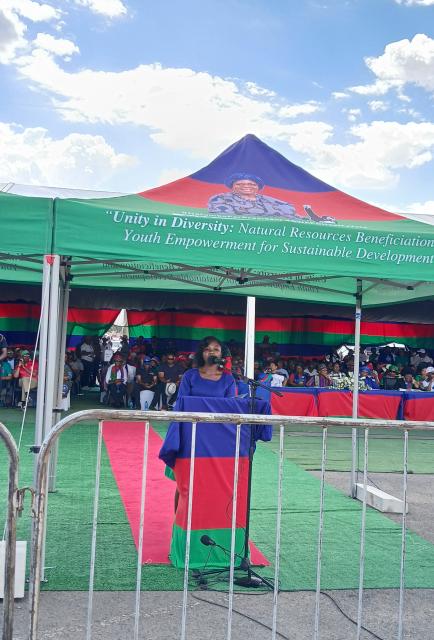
(10, 534)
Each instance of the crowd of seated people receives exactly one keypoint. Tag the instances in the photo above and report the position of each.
(387, 368)
(145, 374)
(140, 379)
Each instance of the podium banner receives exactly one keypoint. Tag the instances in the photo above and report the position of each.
(213, 478)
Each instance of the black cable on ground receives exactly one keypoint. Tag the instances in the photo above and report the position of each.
(243, 615)
(373, 483)
(338, 607)
(281, 635)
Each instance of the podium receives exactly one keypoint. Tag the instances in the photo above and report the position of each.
(213, 478)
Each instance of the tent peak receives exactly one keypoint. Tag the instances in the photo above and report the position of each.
(283, 189)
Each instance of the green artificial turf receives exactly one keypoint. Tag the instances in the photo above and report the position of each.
(70, 517)
(341, 538)
(385, 451)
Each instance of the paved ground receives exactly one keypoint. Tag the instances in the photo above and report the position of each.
(63, 616)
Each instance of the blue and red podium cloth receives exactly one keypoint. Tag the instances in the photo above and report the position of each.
(387, 405)
(214, 468)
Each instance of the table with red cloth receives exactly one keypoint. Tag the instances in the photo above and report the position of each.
(419, 405)
(295, 401)
(324, 402)
(386, 405)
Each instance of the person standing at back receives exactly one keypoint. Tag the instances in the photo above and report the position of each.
(87, 356)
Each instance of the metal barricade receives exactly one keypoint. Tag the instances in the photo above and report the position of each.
(38, 532)
(11, 533)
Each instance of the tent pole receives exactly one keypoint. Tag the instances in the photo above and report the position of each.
(50, 371)
(52, 345)
(58, 387)
(47, 358)
(40, 397)
(249, 349)
(355, 414)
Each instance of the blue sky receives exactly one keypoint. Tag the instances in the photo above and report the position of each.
(122, 95)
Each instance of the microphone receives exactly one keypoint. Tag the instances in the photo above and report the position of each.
(209, 542)
(216, 360)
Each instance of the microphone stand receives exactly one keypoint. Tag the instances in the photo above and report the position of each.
(252, 579)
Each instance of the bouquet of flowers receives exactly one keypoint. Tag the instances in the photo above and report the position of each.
(347, 382)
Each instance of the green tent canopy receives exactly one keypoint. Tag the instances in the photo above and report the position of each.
(250, 223)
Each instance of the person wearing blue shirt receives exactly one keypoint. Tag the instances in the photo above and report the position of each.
(368, 378)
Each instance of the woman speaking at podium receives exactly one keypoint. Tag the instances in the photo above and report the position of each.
(205, 384)
(208, 378)
(208, 388)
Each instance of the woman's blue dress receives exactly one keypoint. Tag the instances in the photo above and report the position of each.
(193, 384)
(214, 468)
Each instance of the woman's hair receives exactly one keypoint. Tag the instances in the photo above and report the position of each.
(198, 356)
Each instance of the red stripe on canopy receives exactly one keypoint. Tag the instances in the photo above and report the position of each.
(189, 192)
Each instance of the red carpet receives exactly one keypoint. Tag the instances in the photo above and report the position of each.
(124, 443)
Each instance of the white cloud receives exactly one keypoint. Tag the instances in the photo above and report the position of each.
(31, 156)
(107, 8)
(373, 161)
(378, 88)
(15, 13)
(401, 96)
(13, 28)
(353, 114)
(340, 95)
(413, 3)
(294, 110)
(378, 105)
(170, 175)
(423, 157)
(256, 90)
(211, 112)
(306, 137)
(421, 207)
(11, 36)
(411, 112)
(403, 62)
(34, 11)
(56, 46)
